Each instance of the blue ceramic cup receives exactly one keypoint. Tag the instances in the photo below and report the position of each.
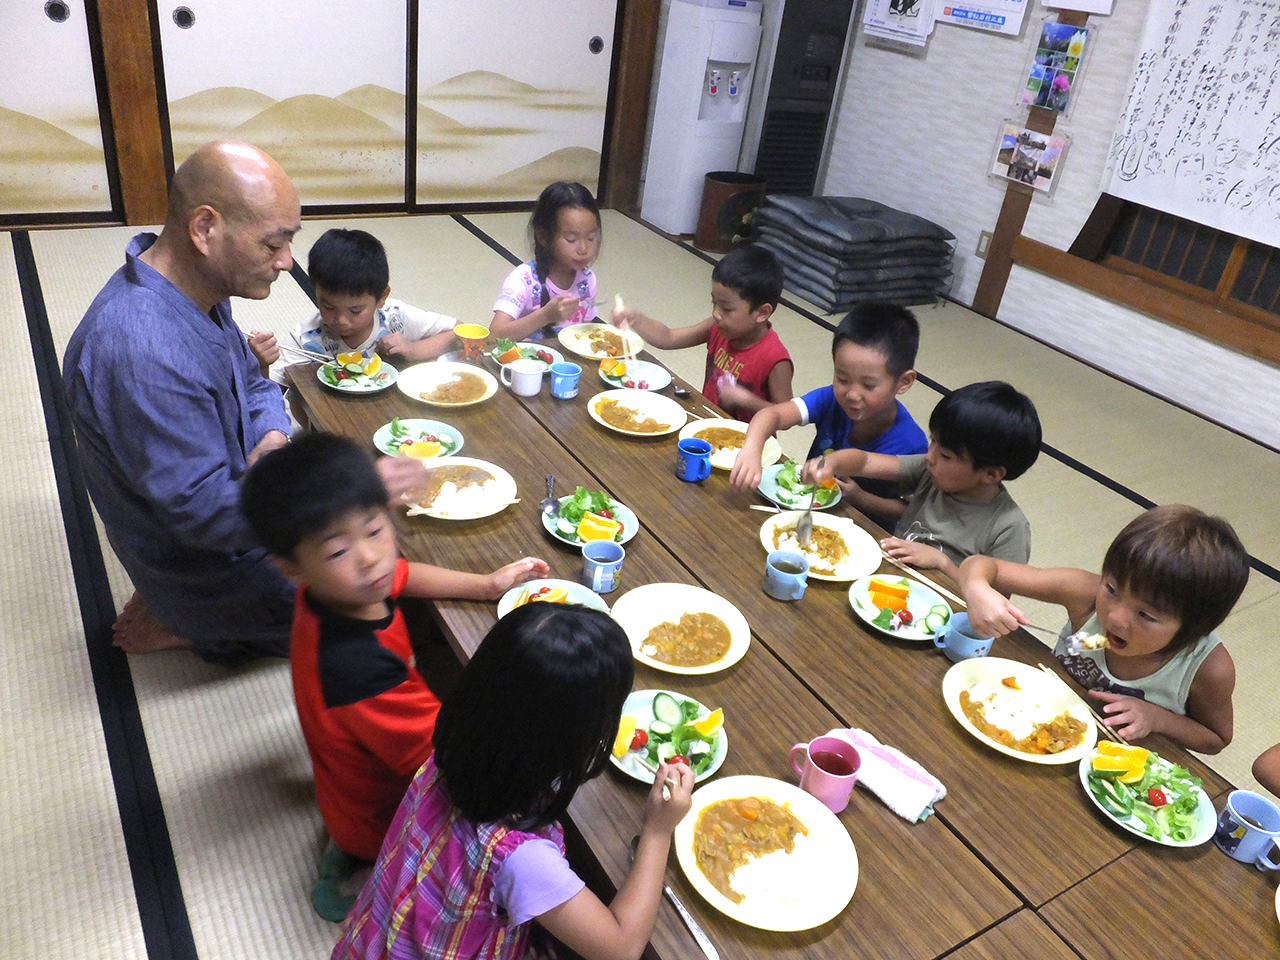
(602, 564)
(564, 379)
(786, 574)
(1249, 829)
(958, 642)
(693, 459)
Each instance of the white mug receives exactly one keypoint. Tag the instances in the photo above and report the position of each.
(525, 378)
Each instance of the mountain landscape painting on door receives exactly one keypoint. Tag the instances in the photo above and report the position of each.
(318, 84)
(51, 153)
(511, 96)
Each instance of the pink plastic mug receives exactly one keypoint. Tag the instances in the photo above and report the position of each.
(830, 769)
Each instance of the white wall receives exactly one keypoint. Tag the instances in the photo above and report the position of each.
(918, 133)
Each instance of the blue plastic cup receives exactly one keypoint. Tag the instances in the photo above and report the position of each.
(958, 642)
(693, 459)
(564, 379)
(602, 564)
(786, 574)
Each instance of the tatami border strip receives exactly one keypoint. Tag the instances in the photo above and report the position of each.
(166, 928)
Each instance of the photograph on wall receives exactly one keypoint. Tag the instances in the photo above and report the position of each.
(1027, 157)
(1055, 66)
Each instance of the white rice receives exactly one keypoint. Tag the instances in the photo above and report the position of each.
(472, 498)
(724, 457)
(1016, 711)
(779, 879)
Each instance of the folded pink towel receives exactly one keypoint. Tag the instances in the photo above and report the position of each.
(906, 788)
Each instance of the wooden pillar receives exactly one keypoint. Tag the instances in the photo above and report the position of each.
(129, 66)
(629, 105)
(1013, 212)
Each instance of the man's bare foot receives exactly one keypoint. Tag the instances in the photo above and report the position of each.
(137, 630)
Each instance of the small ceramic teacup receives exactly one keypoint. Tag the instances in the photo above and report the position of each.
(693, 459)
(786, 573)
(523, 376)
(829, 771)
(564, 379)
(1249, 830)
(602, 564)
(958, 642)
(473, 336)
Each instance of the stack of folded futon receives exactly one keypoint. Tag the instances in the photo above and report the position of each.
(841, 251)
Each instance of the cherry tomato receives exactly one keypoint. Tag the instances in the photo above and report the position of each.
(607, 514)
(541, 592)
(630, 384)
(905, 616)
(644, 384)
(639, 739)
(1156, 797)
(678, 758)
(545, 357)
(342, 375)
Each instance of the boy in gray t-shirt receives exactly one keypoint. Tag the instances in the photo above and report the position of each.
(979, 436)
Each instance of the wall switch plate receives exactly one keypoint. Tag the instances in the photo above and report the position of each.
(984, 244)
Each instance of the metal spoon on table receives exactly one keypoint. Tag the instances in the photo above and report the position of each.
(698, 933)
(549, 504)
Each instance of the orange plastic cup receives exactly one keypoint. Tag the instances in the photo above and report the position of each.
(473, 337)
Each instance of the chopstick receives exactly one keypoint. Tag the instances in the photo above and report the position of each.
(1109, 733)
(298, 350)
(920, 576)
(718, 416)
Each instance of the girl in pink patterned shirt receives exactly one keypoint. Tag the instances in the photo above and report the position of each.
(475, 852)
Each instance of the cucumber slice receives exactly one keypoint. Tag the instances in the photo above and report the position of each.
(932, 622)
(666, 751)
(567, 527)
(660, 729)
(667, 709)
(355, 367)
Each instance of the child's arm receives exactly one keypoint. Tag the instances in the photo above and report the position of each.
(658, 334)
(890, 508)
(558, 310)
(1208, 724)
(987, 583)
(741, 400)
(437, 583)
(746, 471)
(621, 930)
(1266, 769)
(266, 349)
(428, 348)
(853, 463)
(922, 556)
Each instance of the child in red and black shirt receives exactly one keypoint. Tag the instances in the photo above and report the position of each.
(367, 714)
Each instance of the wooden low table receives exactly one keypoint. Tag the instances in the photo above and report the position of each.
(1008, 865)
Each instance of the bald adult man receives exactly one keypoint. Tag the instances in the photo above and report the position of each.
(170, 409)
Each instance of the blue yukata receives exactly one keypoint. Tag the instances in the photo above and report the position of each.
(167, 401)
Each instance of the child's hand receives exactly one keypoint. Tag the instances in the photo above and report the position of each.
(517, 571)
(401, 475)
(264, 347)
(624, 318)
(746, 471)
(1131, 717)
(818, 470)
(919, 555)
(561, 308)
(991, 613)
(395, 345)
(661, 815)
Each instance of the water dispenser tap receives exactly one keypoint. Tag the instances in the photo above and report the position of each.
(713, 82)
(735, 79)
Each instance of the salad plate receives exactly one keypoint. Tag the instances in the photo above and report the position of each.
(563, 526)
(1046, 697)
(1193, 819)
(593, 340)
(780, 483)
(722, 457)
(434, 382)
(447, 483)
(781, 891)
(575, 593)
(923, 603)
(642, 707)
(338, 377)
(391, 437)
(639, 375)
(641, 609)
(861, 559)
(668, 415)
(529, 349)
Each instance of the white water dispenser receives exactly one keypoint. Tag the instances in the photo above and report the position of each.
(699, 113)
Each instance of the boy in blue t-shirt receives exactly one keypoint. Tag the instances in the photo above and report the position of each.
(872, 356)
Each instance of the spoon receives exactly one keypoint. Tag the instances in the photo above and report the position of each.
(698, 933)
(549, 504)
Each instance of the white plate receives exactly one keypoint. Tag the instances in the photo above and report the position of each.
(359, 383)
(722, 459)
(426, 376)
(621, 512)
(1205, 824)
(639, 704)
(920, 598)
(499, 499)
(417, 428)
(826, 859)
(577, 339)
(577, 594)
(864, 552)
(640, 371)
(1052, 693)
(641, 609)
(770, 491)
(655, 405)
(556, 355)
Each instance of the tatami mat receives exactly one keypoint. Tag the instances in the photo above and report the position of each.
(229, 760)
